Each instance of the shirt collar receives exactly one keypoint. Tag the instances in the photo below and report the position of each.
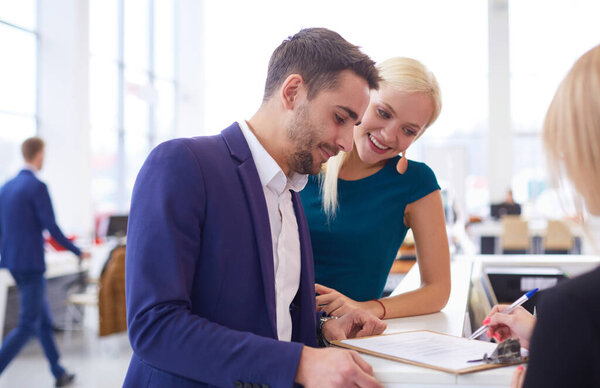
(269, 172)
(30, 167)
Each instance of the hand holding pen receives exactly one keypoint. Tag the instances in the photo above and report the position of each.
(509, 322)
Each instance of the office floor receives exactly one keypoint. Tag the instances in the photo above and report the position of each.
(96, 362)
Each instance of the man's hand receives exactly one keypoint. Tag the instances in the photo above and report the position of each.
(356, 323)
(85, 255)
(324, 368)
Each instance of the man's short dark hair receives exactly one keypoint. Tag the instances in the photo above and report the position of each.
(31, 147)
(318, 55)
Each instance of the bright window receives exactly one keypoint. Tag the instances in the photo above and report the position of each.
(20, 13)
(546, 38)
(132, 100)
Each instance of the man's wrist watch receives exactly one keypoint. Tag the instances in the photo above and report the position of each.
(322, 340)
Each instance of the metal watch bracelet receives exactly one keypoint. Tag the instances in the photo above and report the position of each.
(322, 340)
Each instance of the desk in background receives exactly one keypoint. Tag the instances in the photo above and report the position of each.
(62, 271)
(487, 234)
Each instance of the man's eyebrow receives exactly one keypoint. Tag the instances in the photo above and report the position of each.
(350, 112)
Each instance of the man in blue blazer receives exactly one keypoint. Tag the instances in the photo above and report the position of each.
(219, 270)
(25, 212)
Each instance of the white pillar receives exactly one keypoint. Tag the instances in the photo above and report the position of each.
(500, 158)
(189, 67)
(63, 110)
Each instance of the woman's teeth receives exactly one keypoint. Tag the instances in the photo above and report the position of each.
(376, 143)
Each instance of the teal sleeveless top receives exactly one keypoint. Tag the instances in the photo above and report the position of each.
(354, 251)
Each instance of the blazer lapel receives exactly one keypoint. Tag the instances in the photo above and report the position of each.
(307, 274)
(255, 196)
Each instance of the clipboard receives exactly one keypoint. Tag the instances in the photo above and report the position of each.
(427, 349)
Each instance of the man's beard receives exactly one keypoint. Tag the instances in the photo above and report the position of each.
(304, 135)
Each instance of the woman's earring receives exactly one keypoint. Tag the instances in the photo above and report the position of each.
(402, 164)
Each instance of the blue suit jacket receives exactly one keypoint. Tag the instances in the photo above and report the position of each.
(25, 211)
(200, 282)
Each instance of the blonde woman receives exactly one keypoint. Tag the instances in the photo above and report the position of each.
(361, 207)
(564, 343)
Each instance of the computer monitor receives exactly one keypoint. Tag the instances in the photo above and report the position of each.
(511, 282)
(117, 226)
(501, 209)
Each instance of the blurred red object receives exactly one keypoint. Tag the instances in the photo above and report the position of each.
(55, 245)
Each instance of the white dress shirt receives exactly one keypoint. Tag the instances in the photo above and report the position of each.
(31, 168)
(284, 228)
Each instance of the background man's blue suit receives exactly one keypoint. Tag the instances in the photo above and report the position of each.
(200, 282)
(25, 211)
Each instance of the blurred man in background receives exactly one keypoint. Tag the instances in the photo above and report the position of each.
(25, 212)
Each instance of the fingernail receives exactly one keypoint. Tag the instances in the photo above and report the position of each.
(520, 368)
(486, 321)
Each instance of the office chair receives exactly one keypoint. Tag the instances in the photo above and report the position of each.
(559, 239)
(111, 294)
(515, 235)
(108, 295)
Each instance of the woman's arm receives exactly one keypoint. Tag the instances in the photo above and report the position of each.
(426, 218)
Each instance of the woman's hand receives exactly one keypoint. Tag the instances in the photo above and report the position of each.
(518, 377)
(518, 324)
(333, 302)
(336, 304)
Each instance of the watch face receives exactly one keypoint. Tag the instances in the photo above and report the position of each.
(326, 318)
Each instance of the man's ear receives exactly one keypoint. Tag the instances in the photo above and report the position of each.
(291, 89)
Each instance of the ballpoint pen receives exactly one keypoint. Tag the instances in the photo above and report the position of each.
(509, 310)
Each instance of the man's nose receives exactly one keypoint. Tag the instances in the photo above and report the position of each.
(346, 139)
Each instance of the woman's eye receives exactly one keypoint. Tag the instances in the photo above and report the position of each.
(410, 132)
(339, 119)
(383, 113)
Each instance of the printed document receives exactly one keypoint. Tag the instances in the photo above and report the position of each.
(426, 348)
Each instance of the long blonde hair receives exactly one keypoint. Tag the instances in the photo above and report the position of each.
(571, 132)
(404, 74)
